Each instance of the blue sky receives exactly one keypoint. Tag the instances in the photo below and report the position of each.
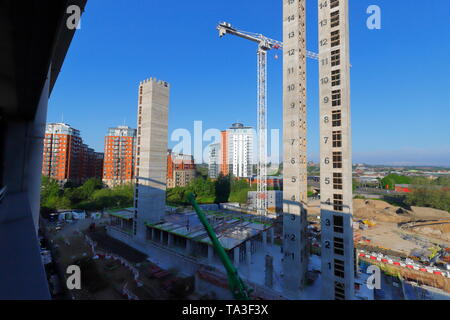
(400, 77)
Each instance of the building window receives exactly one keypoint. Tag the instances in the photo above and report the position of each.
(339, 246)
(337, 181)
(335, 78)
(338, 222)
(336, 98)
(337, 118)
(339, 268)
(338, 202)
(335, 58)
(337, 139)
(335, 38)
(335, 19)
(337, 160)
(334, 3)
(339, 291)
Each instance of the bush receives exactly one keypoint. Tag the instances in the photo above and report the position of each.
(92, 195)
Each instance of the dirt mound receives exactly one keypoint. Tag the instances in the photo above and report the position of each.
(378, 210)
(381, 211)
(440, 231)
(429, 213)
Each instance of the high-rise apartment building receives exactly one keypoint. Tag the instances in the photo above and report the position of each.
(224, 166)
(151, 155)
(240, 150)
(62, 145)
(66, 157)
(214, 161)
(234, 154)
(335, 152)
(181, 169)
(90, 163)
(119, 163)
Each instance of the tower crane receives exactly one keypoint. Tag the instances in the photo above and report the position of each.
(264, 44)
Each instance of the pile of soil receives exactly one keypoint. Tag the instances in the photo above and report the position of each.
(380, 211)
(429, 214)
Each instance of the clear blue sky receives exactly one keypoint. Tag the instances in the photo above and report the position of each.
(400, 76)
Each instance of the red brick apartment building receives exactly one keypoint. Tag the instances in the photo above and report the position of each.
(66, 157)
(224, 166)
(181, 169)
(119, 162)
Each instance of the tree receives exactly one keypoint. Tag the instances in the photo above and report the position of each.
(49, 188)
(429, 196)
(222, 189)
(391, 180)
(176, 195)
(89, 187)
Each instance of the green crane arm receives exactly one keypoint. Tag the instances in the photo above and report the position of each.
(235, 283)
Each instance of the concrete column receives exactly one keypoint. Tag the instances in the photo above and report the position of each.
(188, 246)
(269, 272)
(264, 236)
(210, 255)
(170, 240)
(236, 256)
(272, 236)
(162, 237)
(152, 234)
(248, 252)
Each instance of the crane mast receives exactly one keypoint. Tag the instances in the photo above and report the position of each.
(264, 44)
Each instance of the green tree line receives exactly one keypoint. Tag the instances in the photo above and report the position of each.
(224, 189)
(91, 195)
(425, 192)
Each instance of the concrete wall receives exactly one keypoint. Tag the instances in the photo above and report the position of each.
(24, 143)
(295, 260)
(274, 200)
(335, 152)
(151, 174)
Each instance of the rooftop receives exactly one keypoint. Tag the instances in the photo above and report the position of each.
(231, 230)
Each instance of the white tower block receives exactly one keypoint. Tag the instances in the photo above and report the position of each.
(335, 151)
(295, 259)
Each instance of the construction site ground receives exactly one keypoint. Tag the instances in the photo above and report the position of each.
(395, 228)
(107, 277)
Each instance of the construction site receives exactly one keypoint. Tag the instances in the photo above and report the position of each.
(212, 251)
